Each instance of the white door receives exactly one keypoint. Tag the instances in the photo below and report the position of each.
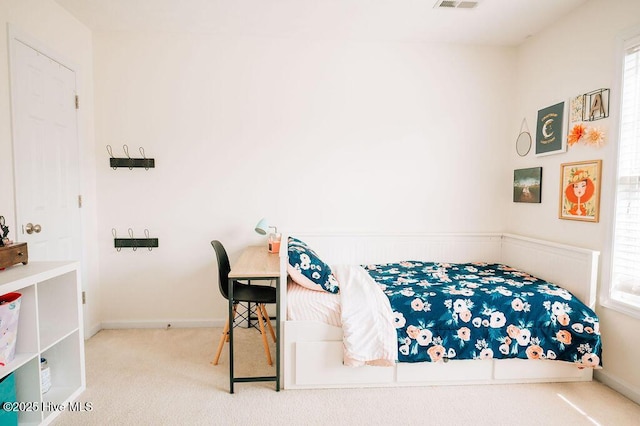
(46, 159)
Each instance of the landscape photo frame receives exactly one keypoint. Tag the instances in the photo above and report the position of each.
(527, 185)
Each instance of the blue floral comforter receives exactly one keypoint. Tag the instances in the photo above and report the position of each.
(480, 311)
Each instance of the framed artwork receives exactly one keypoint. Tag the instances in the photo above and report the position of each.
(527, 185)
(596, 105)
(576, 108)
(549, 138)
(580, 190)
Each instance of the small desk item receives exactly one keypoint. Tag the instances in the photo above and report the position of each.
(255, 263)
(12, 254)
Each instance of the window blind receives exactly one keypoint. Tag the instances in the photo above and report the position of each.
(626, 242)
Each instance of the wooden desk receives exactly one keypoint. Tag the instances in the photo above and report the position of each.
(255, 263)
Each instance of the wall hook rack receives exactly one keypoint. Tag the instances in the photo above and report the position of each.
(147, 163)
(134, 243)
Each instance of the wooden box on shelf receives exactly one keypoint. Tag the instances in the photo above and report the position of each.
(12, 254)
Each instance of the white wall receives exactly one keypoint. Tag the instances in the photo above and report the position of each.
(315, 134)
(574, 56)
(361, 136)
(60, 33)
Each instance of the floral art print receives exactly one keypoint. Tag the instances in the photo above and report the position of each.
(580, 190)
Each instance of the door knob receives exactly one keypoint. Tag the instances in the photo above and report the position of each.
(31, 228)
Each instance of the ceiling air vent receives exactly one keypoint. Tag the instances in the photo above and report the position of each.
(455, 4)
(467, 4)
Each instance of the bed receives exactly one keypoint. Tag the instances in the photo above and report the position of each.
(315, 352)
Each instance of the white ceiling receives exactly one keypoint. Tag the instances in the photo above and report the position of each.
(492, 22)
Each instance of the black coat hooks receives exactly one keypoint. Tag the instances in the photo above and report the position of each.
(147, 163)
(134, 243)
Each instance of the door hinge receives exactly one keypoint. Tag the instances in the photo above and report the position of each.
(84, 298)
(79, 201)
(77, 102)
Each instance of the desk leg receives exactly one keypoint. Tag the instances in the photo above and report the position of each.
(278, 341)
(230, 335)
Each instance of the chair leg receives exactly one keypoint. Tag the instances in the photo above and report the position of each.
(223, 338)
(264, 337)
(268, 320)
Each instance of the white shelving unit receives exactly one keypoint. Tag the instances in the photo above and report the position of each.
(50, 326)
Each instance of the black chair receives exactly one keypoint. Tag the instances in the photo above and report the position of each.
(260, 295)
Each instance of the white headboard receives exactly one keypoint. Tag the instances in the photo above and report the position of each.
(574, 268)
(381, 248)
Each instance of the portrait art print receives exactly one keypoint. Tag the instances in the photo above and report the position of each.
(580, 190)
(549, 127)
(527, 185)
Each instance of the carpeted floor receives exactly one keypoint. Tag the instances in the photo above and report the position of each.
(164, 377)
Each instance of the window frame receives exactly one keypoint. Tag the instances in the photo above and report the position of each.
(628, 308)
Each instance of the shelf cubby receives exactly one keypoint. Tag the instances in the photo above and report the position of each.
(49, 326)
(56, 316)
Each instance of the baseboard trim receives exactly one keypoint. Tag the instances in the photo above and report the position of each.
(116, 325)
(92, 331)
(620, 386)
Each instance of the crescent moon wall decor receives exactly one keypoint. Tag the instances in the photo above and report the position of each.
(545, 129)
(549, 130)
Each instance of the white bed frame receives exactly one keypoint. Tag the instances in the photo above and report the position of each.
(312, 351)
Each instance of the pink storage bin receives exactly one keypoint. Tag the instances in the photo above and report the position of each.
(9, 313)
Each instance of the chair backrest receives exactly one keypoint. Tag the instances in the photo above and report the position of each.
(223, 267)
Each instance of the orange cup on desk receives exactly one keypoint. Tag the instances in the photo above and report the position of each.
(274, 243)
